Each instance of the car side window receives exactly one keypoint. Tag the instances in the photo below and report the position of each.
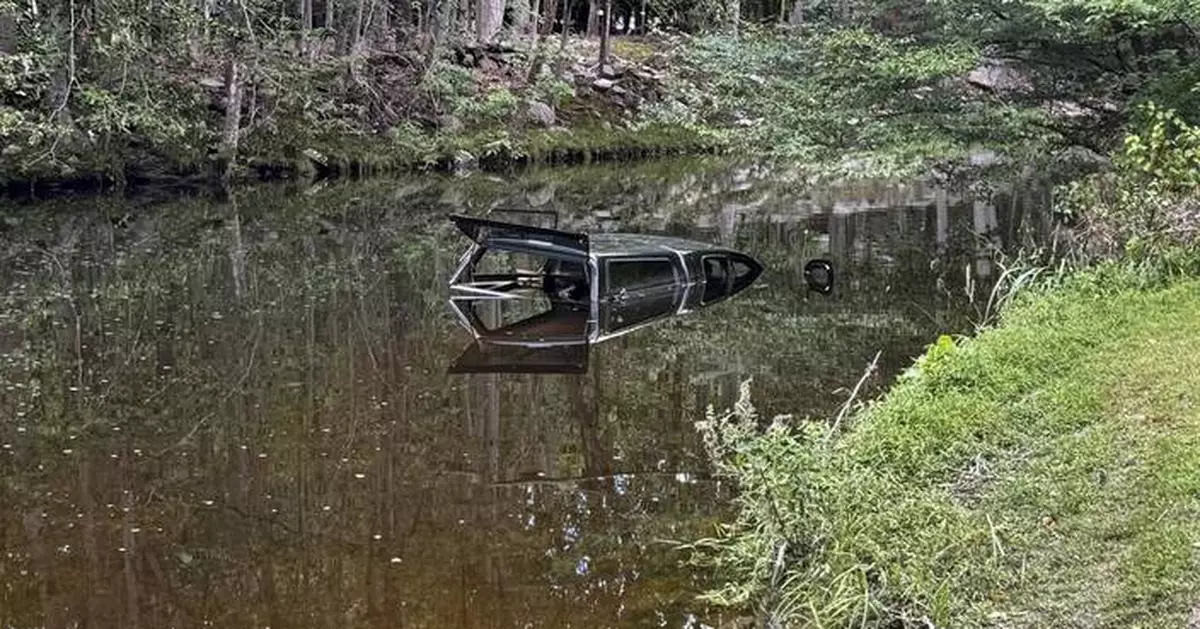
(716, 278)
(639, 274)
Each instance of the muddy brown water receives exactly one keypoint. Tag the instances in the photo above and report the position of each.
(237, 413)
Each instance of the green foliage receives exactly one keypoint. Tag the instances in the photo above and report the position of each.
(967, 494)
(1137, 14)
(1165, 152)
(552, 90)
(445, 85)
(496, 106)
(1177, 89)
(1148, 209)
(783, 512)
(114, 114)
(845, 94)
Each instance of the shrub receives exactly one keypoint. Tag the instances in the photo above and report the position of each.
(1148, 208)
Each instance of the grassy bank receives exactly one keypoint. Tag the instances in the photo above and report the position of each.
(1043, 473)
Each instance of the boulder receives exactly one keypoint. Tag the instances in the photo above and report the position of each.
(315, 157)
(998, 75)
(612, 71)
(463, 162)
(541, 113)
(603, 84)
(984, 157)
(1082, 157)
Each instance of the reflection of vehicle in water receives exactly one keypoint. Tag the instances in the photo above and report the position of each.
(535, 299)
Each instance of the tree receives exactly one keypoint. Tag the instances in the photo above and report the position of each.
(605, 20)
(489, 18)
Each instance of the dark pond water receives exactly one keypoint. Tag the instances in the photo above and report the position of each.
(238, 414)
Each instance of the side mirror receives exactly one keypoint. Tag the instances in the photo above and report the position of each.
(818, 274)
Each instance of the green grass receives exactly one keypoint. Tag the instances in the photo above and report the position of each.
(1045, 473)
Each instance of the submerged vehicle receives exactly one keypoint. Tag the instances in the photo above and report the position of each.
(535, 298)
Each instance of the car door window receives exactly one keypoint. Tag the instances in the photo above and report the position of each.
(639, 274)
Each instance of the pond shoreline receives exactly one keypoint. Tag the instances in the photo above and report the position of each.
(372, 157)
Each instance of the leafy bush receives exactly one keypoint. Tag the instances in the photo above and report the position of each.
(446, 85)
(553, 90)
(1165, 152)
(496, 106)
(1148, 209)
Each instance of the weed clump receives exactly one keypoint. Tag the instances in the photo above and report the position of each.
(1147, 210)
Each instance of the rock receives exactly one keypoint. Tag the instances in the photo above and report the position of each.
(316, 157)
(603, 84)
(1067, 110)
(1000, 76)
(617, 89)
(986, 157)
(541, 196)
(612, 71)
(541, 113)
(1083, 157)
(464, 161)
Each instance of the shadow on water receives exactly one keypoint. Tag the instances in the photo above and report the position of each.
(242, 414)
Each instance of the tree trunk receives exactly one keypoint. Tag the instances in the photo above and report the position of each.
(199, 38)
(521, 19)
(605, 30)
(402, 16)
(593, 23)
(233, 119)
(797, 16)
(489, 18)
(566, 31)
(8, 33)
(464, 15)
(356, 33)
(305, 11)
(59, 94)
(548, 10)
(733, 8)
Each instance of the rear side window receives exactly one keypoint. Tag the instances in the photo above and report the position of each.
(639, 274)
(716, 278)
(743, 274)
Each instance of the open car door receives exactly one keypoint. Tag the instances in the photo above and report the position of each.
(516, 237)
